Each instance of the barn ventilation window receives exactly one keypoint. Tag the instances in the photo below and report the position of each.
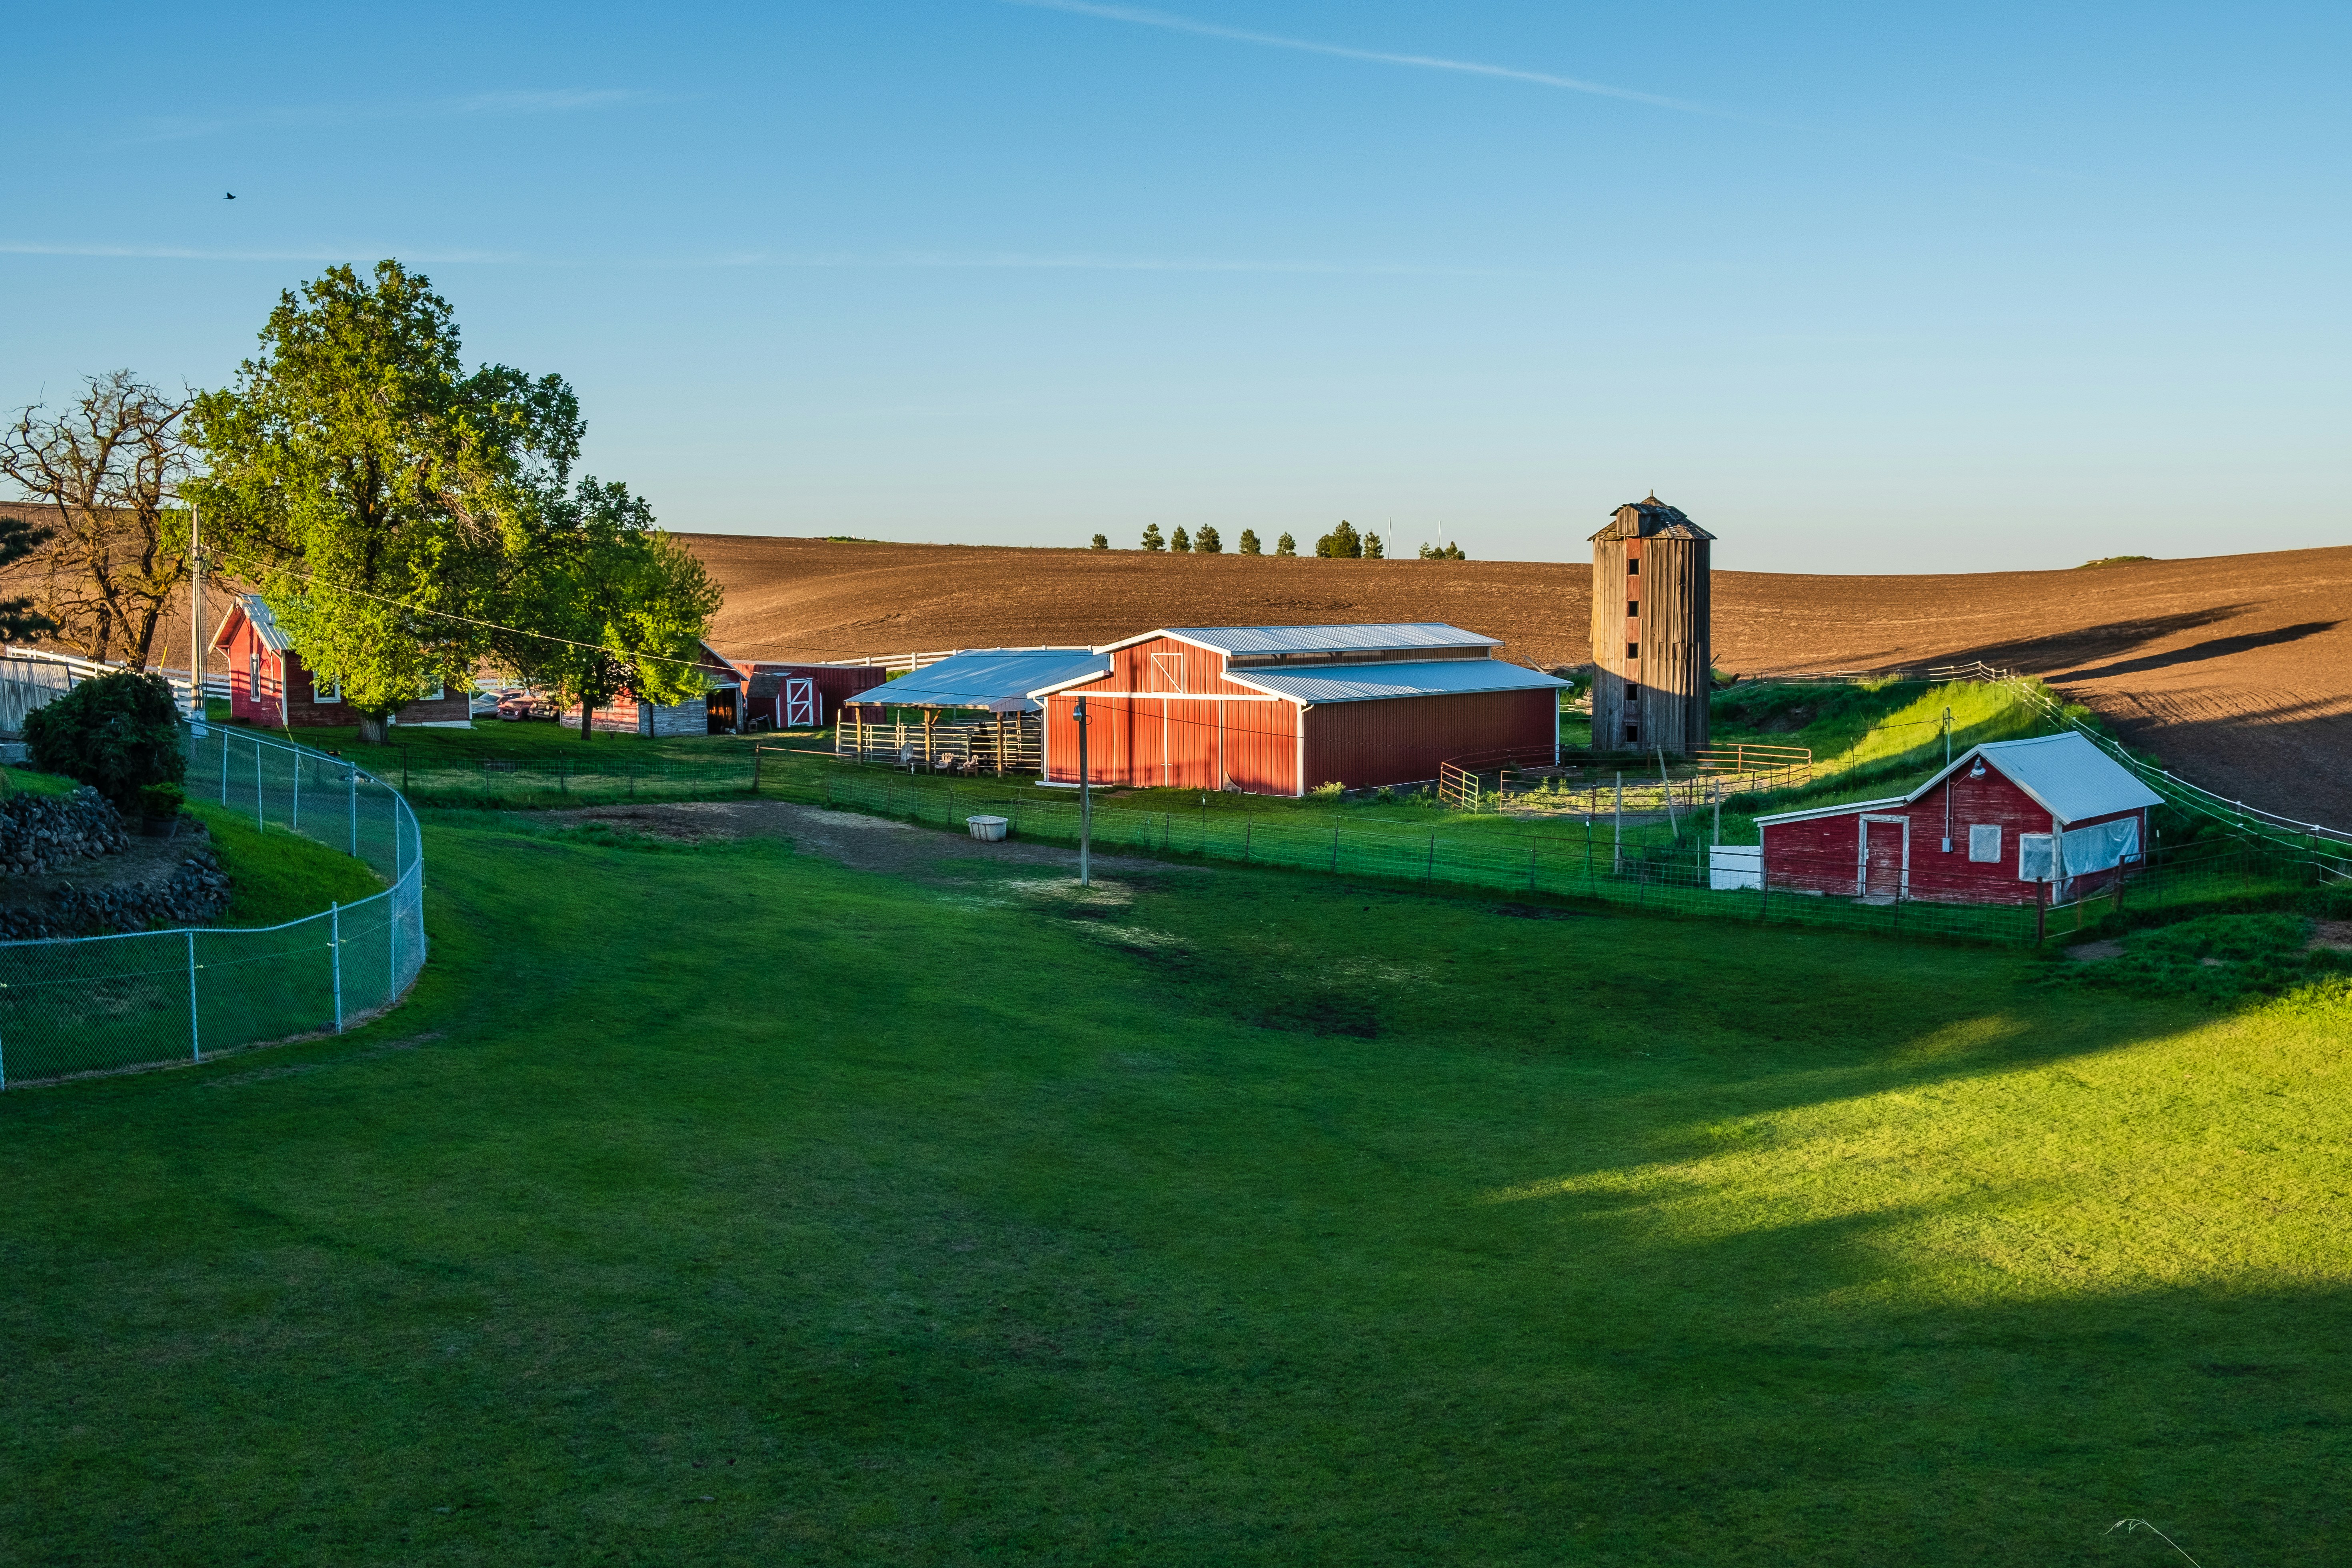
(1632, 734)
(1632, 608)
(1633, 567)
(1632, 650)
(1984, 841)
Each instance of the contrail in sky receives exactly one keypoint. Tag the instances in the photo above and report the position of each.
(1340, 51)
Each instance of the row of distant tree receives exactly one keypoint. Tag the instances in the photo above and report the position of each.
(406, 520)
(1343, 543)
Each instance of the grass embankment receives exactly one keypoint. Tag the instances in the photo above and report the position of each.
(280, 876)
(729, 1206)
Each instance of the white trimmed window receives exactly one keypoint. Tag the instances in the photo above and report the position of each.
(325, 691)
(1984, 841)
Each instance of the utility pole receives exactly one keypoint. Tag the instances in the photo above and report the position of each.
(195, 618)
(1086, 799)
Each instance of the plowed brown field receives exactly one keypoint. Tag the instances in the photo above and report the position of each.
(2236, 668)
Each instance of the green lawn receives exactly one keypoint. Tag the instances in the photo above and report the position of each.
(729, 1206)
(278, 875)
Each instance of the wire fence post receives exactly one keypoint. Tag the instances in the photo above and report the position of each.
(224, 764)
(196, 1039)
(297, 823)
(259, 815)
(335, 947)
(351, 779)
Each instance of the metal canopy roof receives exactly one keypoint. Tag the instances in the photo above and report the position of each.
(1374, 638)
(1372, 682)
(993, 679)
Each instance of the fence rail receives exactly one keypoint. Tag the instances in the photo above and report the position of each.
(83, 1005)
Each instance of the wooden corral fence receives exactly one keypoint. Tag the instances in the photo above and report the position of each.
(1464, 783)
(1760, 766)
(1008, 743)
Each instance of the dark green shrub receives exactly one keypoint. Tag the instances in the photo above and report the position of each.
(117, 734)
(162, 801)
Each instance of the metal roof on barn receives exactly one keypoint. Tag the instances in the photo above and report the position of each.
(2066, 774)
(1383, 636)
(989, 679)
(1651, 518)
(1375, 682)
(2071, 777)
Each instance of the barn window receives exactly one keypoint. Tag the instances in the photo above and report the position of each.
(1984, 841)
(1632, 734)
(1632, 608)
(1632, 650)
(1633, 566)
(1633, 694)
(325, 691)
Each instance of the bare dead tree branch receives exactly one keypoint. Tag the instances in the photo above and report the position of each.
(112, 465)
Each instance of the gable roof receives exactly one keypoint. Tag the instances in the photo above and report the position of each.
(250, 608)
(1372, 682)
(1372, 636)
(993, 679)
(2066, 774)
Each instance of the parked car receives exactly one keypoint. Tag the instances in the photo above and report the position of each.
(519, 705)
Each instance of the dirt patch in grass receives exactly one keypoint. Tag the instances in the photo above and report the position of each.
(863, 843)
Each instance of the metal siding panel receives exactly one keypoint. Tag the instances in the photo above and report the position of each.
(1361, 745)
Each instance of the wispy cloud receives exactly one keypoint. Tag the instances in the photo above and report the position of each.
(199, 253)
(504, 103)
(1142, 18)
(849, 261)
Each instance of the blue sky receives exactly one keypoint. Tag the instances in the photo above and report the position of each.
(1861, 288)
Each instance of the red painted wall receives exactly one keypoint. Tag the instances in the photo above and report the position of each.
(1403, 740)
(1822, 854)
(285, 675)
(1215, 730)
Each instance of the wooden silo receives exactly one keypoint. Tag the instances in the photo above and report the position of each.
(1650, 648)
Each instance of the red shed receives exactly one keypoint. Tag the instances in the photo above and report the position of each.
(1992, 827)
(268, 683)
(1279, 709)
(789, 696)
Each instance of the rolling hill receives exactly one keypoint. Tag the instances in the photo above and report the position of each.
(2236, 668)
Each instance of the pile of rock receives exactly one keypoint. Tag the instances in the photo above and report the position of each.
(194, 894)
(39, 832)
(51, 837)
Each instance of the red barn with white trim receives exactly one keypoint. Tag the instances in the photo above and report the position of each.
(1993, 827)
(1280, 709)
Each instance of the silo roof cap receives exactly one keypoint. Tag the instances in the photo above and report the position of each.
(1651, 518)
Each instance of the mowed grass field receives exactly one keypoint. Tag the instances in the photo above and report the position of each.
(728, 1205)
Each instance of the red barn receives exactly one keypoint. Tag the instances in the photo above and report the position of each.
(1280, 709)
(1993, 827)
(268, 683)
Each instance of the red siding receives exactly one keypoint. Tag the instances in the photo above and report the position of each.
(1203, 731)
(1824, 854)
(1402, 739)
(1168, 716)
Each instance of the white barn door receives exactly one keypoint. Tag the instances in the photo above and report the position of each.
(800, 703)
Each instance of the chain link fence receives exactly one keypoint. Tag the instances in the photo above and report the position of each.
(101, 1003)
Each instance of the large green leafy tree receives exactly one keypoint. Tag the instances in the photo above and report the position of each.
(373, 490)
(616, 604)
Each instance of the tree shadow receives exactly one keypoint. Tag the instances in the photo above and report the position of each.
(2196, 653)
(2078, 643)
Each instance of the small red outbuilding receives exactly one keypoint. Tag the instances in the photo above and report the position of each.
(1993, 827)
(270, 684)
(1280, 709)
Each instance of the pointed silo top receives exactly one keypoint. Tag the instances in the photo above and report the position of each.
(1651, 518)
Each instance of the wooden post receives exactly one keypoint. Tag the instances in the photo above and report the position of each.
(1617, 847)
